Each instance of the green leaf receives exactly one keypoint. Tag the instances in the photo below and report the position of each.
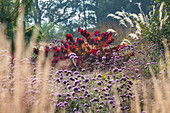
(120, 75)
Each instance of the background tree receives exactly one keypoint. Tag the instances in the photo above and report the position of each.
(9, 13)
(49, 31)
(80, 13)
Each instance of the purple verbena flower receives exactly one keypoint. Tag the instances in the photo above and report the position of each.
(99, 75)
(69, 87)
(104, 58)
(101, 106)
(126, 107)
(101, 96)
(72, 93)
(136, 70)
(83, 86)
(81, 97)
(76, 88)
(59, 95)
(82, 70)
(106, 94)
(76, 82)
(75, 109)
(65, 103)
(96, 89)
(99, 83)
(67, 94)
(85, 104)
(72, 54)
(76, 72)
(86, 80)
(68, 98)
(111, 101)
(88, 95)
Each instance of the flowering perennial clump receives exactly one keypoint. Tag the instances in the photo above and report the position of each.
(90, 47)
(81, 92)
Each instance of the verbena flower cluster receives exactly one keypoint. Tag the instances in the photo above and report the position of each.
(80, 91)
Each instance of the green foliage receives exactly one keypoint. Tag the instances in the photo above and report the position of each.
(159, 23)
(8, 15)
(49, 31)
(29, 32)
(62, 30)
(10, 9)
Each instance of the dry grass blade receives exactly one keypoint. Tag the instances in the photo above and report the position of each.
(137, 102)
(132, 35)
(165, 18)
(138, 32)
(153, 13)
(134, 16)
(39, 73)
(129, 21)
(43, 97)
(19, 53)
(120, 13)
(162, 76)
(125, 41)
(117, 101)
(161, 23)
(167, 83)
(157, 94)
(122, 22)
(145, 98)
(138, 26)
(141, 18)
(4, 70)
(142, 13)
(2, 34)
(29, 51)
(160, 11)
(167, 56)
(111, 15)
(111, 30)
